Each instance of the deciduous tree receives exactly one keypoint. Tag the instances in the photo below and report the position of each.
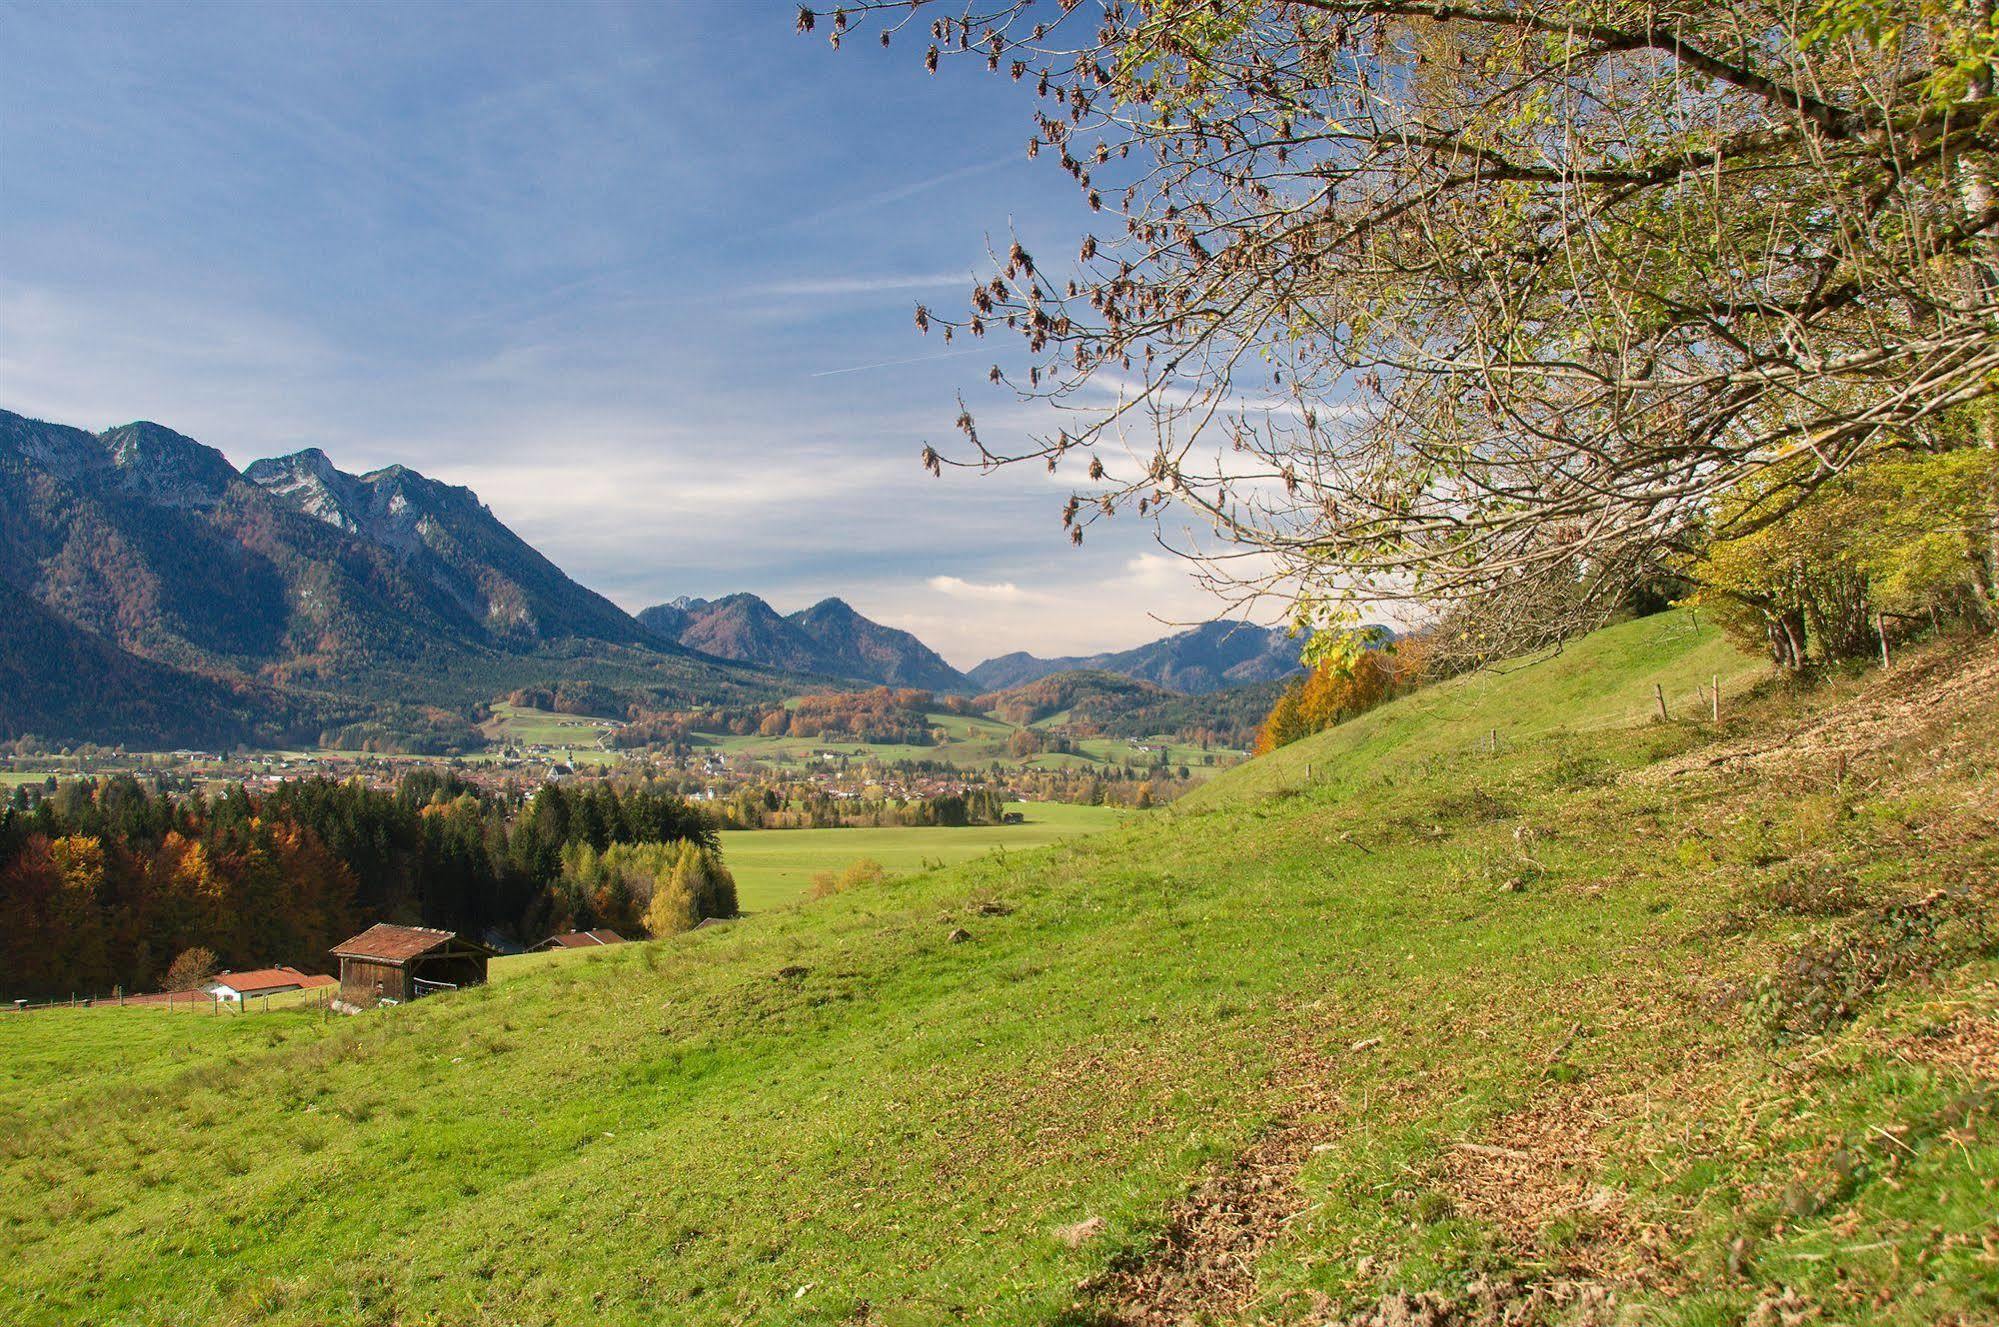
(1410, 298)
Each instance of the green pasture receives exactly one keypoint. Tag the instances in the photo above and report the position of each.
(775, 866)
(1482, 1016)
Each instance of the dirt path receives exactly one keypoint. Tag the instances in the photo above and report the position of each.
(1529, 1168)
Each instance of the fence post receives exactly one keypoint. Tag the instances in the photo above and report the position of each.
(1881, 630)
(1714, 694)
(1659, 694)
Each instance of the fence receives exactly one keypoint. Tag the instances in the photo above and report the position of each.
(316, 998)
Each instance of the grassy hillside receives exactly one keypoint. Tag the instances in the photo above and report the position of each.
(1698, 1026)
(1604, 680)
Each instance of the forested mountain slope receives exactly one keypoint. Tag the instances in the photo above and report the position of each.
(1621, 1018)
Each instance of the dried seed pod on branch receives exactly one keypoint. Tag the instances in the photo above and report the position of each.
(1419, 298)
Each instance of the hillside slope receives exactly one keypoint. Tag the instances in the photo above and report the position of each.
(1603, 680)
(1590, 1025)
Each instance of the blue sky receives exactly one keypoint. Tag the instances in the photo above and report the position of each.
(641, 276)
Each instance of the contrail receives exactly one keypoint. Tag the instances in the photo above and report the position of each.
(888, 364)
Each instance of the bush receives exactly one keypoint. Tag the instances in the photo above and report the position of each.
(860, 872)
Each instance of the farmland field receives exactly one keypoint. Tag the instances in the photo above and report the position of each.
(774, 866)
(971, 742)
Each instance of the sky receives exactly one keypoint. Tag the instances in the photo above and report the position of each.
(642, 277)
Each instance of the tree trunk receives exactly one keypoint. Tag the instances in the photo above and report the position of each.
(1979, 194)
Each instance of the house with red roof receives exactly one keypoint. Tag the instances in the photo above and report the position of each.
(580, 940)
(236, 987)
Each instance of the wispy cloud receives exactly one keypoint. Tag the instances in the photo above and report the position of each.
(899, 193)
(889, 364)
(862, 285)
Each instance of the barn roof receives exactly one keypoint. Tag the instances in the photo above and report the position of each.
(582, 939)
(396, 944)
(270, 979)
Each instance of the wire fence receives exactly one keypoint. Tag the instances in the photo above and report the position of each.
(205, 1002)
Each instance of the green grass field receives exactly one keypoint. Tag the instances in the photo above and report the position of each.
(514, 725)
(970, 743)
(774, 866)
(1434, 1019)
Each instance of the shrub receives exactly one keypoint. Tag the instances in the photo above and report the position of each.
(861, 871)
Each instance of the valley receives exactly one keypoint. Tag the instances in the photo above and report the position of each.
(774, 867)
(1061, 663)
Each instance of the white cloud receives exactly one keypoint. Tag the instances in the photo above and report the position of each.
(1004, 591)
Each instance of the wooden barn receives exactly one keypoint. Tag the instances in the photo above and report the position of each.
(395, 964)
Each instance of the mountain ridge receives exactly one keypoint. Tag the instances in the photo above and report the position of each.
(1211, 657)
(830, 638)
(312, 596)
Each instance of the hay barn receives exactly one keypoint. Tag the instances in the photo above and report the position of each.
(388, 964)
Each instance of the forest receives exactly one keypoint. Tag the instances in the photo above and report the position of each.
(106, 881)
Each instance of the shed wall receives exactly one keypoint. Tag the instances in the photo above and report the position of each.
(363, 981)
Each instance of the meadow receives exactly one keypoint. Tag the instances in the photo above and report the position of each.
(775, 866)
(1637, 1016)
(973, 742)
(516, 725)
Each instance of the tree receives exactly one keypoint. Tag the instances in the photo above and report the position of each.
(1894, 536)
(1286, 723)
(694, 886)
(1409, 298)
(190, 970)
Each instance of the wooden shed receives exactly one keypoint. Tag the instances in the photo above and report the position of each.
(394, 964)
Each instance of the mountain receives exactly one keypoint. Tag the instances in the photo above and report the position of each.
(60, 681)
(1210, 657)
(313, 596)
(744, 628)
(867, 649)
(506, 591)
(829, 638)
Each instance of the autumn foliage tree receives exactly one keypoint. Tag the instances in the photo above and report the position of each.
(1338, 689)
(1898, 538)
(105, 882)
